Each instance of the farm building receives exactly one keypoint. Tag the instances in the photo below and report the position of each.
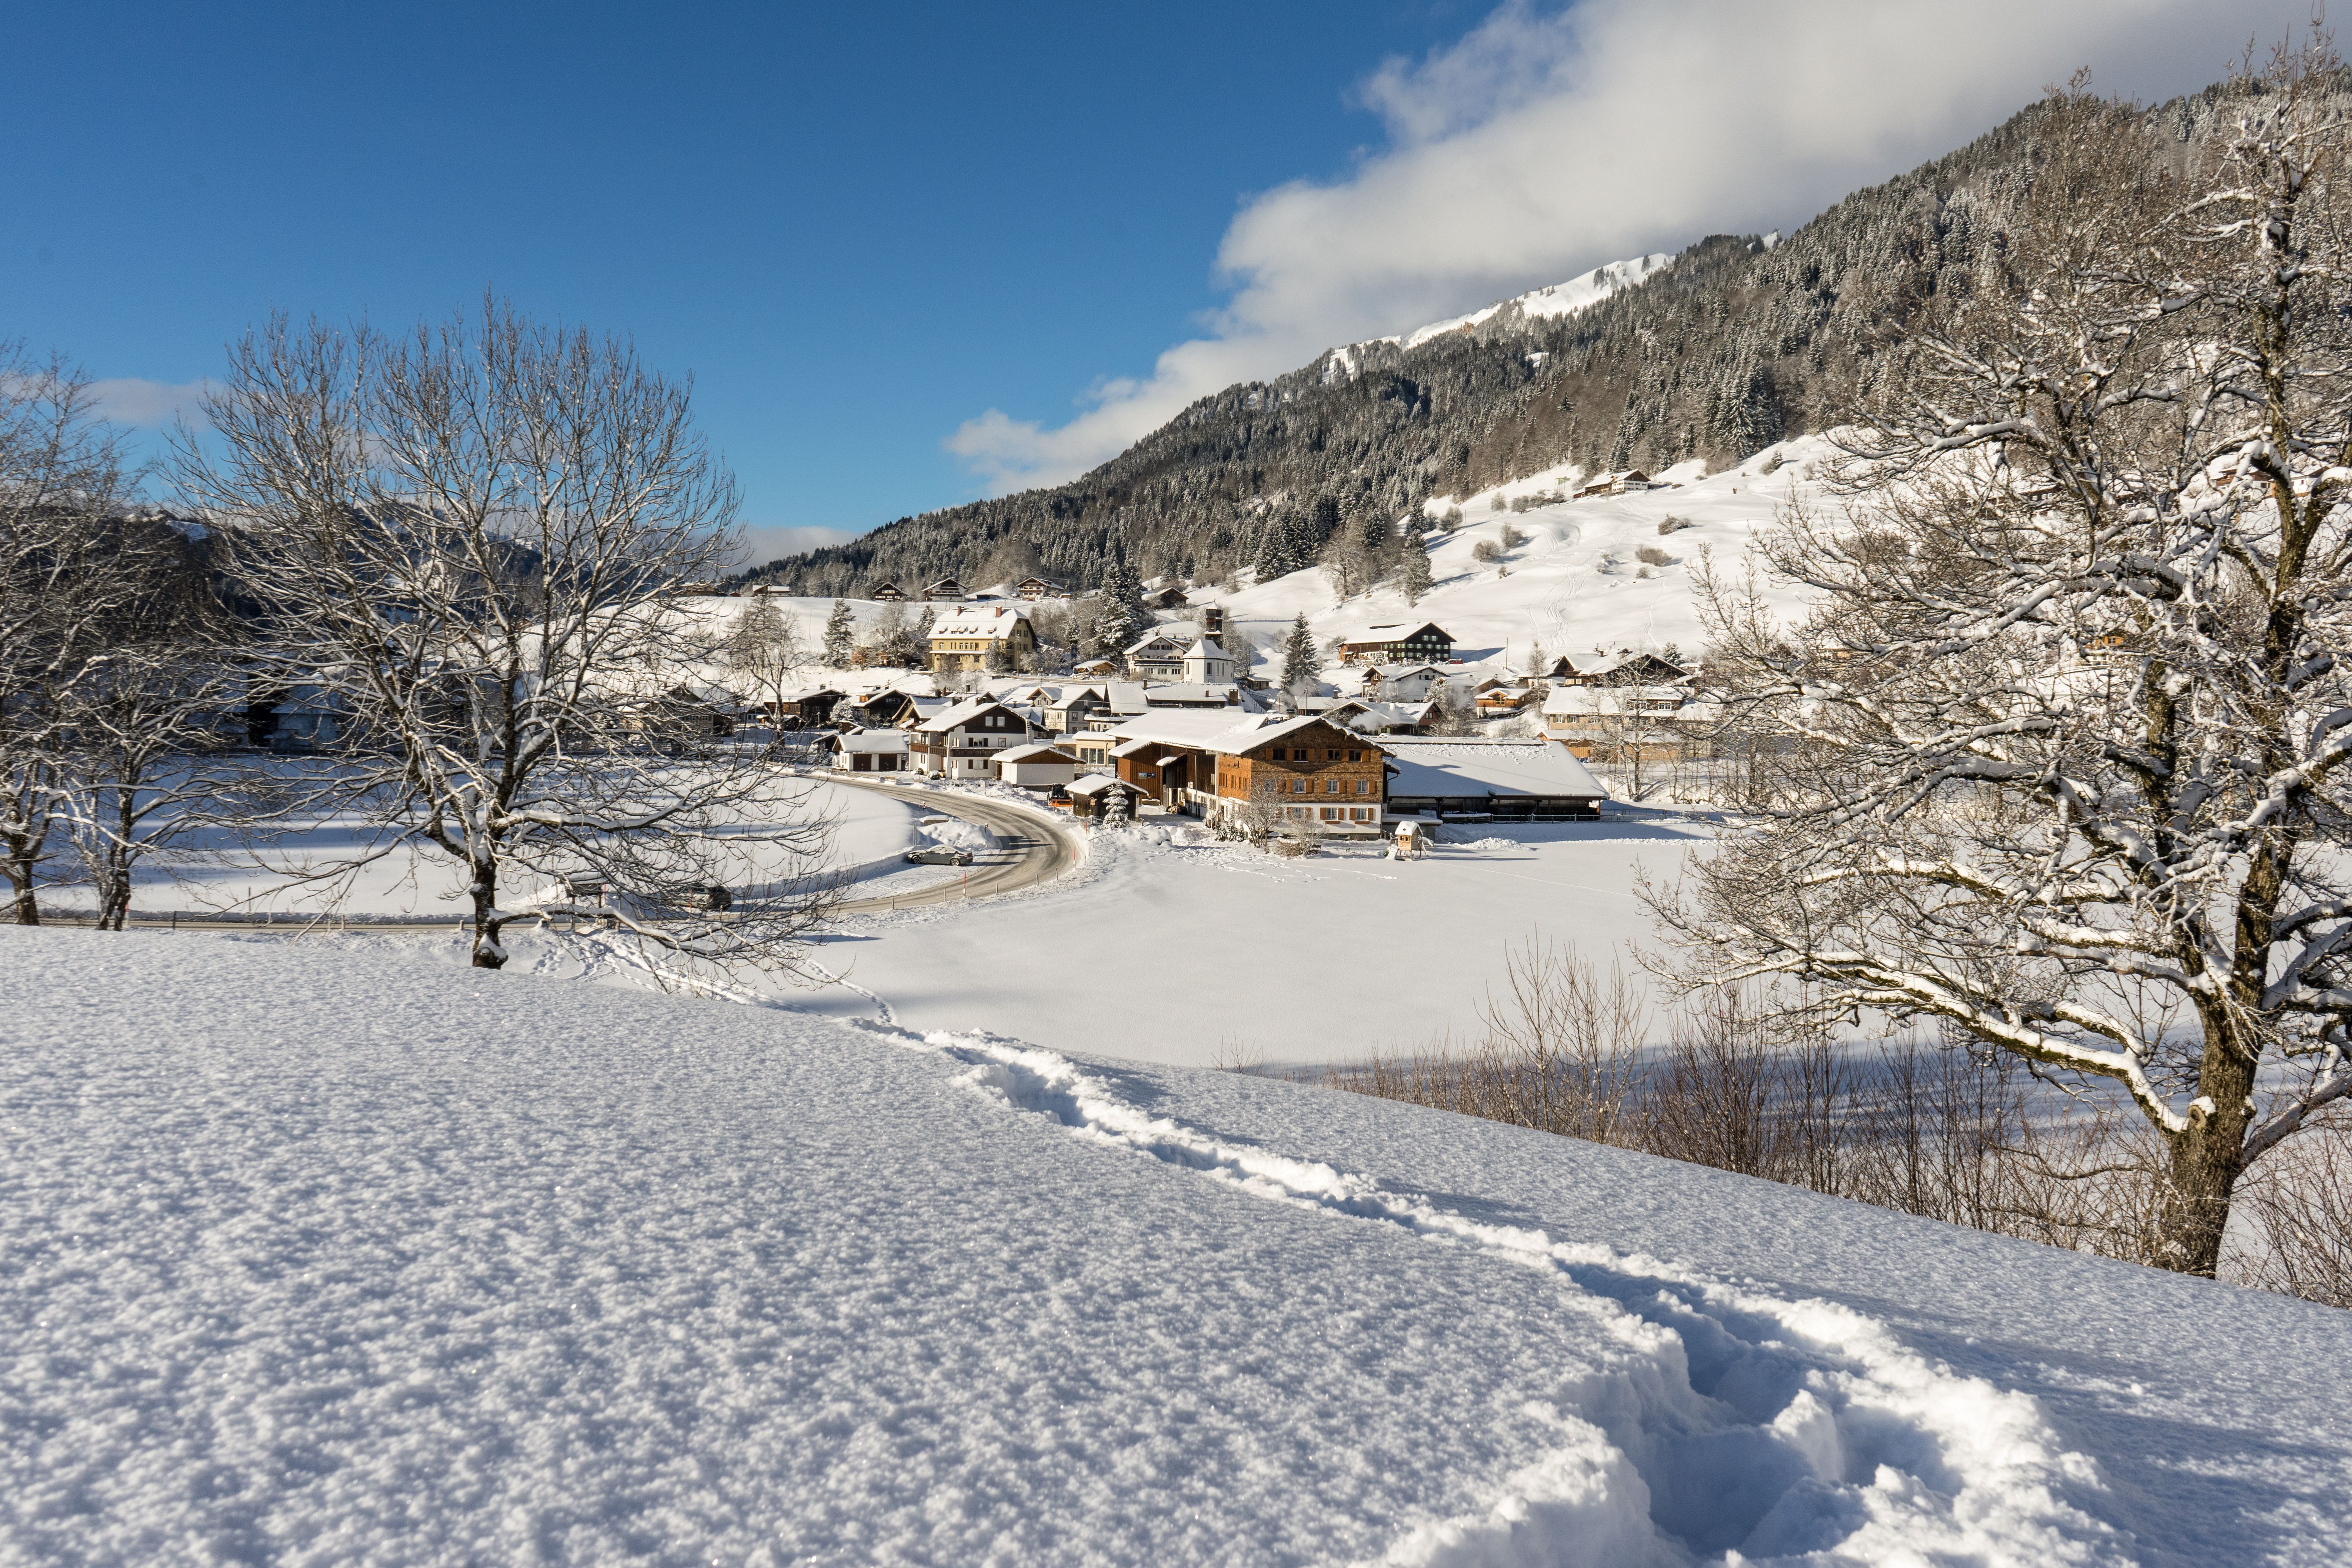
(1535, 780)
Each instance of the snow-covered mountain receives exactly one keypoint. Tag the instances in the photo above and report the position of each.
(1546, 304)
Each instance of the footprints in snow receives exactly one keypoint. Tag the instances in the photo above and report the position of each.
(1740, 1427)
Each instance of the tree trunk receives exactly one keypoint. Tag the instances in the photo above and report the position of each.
(114, 900)
(23, 911)
(2207, 1159)
(489, 952)
(21, 859)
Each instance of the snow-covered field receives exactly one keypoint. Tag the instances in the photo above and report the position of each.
(316, 1253)
(1170, 946)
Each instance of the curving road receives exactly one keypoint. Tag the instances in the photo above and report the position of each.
(1030, 849)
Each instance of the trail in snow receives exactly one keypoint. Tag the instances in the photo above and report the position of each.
(1736, 1427)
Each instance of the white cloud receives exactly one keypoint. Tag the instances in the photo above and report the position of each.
(1544, 144)
(765, 542)
(127, 400)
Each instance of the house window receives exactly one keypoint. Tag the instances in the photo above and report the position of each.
(1330, 787)
(1334, 755)
(1331, 813)
(1363, 787)
(1362, 815)
(1280, 755)
(1355, 756)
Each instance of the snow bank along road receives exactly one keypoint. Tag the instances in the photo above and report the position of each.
(1030, 849)
(312, 1256)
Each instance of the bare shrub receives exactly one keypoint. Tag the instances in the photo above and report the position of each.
(1669, 523)
(1937, 1128)
(1486, 551)
(1650, 555)
(2301, 1210)
(1512, 537)
(1558, 1050)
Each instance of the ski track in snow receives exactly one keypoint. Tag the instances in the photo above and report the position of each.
(1737, 1427)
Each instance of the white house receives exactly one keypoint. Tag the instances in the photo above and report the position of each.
(1158, 654)
(1406, 682)
(963, 741)
(870, 751)
(1206, 664)
(1037, 767)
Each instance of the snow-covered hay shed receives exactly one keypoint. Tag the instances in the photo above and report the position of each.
(1535, 779)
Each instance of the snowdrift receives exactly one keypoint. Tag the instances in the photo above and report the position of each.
(315, 1254)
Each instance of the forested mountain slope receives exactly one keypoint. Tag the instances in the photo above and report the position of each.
(1735, 345)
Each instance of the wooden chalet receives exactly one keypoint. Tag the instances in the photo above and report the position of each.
(1036, 588)
(807, 710)
(887, 594)
(945, 589)
(1259, 771)
(1398, 643)
(1090, 797)
(1614, 484)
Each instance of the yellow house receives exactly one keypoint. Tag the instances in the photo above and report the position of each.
(982, 636)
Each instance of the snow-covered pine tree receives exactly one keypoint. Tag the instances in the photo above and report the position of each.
(1122, 617)
(840, 635)
(1302, 664)
(1414, 575)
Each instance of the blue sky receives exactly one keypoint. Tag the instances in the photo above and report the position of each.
(856, 224)
(1028, 232)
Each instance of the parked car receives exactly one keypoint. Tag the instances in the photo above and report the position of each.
(939, 855)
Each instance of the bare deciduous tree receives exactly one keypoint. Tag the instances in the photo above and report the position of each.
(462, 539)
(146, 767)
(2069, 725)
(62, 483)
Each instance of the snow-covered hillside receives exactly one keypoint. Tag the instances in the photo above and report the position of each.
(1545, 304)
(1577, 584)
(317, 1256)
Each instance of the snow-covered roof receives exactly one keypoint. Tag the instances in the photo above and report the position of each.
(1070, 696)
(1212, 730)
(1585, 702)
(1206, 647)
(1430, 765)
(1125, 696)
(1181, 633)
(1034, 754)
(962, 713)
(871, 742)
(1396, 631)
(1193, 693)
(1096, 784)
(1133, 748)
(994, 621)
